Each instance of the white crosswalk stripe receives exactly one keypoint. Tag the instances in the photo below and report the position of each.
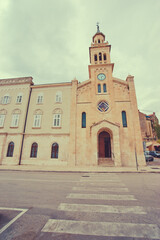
(101, 208)
(87, 189)
(101, 196)
(92, 190)
(101, 184)
(100, 180)
(103, 228)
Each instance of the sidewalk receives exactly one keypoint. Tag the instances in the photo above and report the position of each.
(42, 168)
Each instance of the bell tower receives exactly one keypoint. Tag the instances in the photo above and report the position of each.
(100, 68)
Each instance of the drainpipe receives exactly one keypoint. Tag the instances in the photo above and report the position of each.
(25, 126)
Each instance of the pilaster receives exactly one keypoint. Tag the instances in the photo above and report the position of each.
(136, 123)
(73, 121)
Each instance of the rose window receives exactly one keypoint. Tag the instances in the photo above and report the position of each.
(103, 106)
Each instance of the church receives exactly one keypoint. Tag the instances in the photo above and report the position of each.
(93, 123)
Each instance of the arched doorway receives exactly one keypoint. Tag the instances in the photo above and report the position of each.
(104, 147)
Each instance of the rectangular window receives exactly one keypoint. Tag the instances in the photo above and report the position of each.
(56, 120)
(15, 120)
(59, 97)
(2, 117)
(6, 100)
(40, 99)
(37, 121)
(19, 99)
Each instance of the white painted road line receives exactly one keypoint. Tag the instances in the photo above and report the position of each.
(102, 184)
(22, 211)
(111, 229)
(101, 208)
(36, 180)
(87, 189)
(99, 180)
(101, 196)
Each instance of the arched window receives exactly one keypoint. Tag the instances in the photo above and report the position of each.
(95, 57)
(54, 150)
(83, 120)
(124, 119)
(99, 41)
(10, 149)
(104, 88)
(104, 56)
(100, 56)
(99, 88)
(34, 150)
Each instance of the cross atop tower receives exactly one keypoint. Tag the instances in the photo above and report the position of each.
(98, 27)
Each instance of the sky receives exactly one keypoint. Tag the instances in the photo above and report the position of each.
(49, 40)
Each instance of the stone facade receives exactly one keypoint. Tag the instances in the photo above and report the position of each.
(95, 122)
(149, 136)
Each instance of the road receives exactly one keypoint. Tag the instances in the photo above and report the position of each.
(79, 206)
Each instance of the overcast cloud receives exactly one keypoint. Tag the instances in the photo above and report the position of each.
(49, 40)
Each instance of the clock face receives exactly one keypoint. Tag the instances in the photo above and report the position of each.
(101, 76)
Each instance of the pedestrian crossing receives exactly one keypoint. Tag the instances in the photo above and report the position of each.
(114, 209)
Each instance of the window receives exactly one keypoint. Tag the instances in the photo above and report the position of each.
(37, 118)
(6, 99)
(124, 119)
(83, 120)
(40, 98)
(100, 56)
(19, 98)
(99, 88)
(95, 57)
(57, 120)
(57, 117)
(3, 113)
(104, 56)
(104, 88)
(15, 117)
(54, 150)
(15, 120)
(99, 41)
(10, 149)
(2, 117)
(103, 106)
(34, 150)
(58, 97)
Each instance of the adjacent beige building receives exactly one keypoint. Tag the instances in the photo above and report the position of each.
(95, 122)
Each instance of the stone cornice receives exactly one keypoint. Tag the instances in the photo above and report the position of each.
(117, 80)
(83, 84)
(15, 81)
(52, 85)
(47, 134)
(95, 124)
